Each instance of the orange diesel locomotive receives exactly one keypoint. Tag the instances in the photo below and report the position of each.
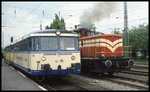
(103, 53)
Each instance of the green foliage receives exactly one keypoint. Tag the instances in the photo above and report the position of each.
(92, 27)
(138, 38)
(96, 33)
(47, 27)
(115, 31)
(57, 23)
(140, 59)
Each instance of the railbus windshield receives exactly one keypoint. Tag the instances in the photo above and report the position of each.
(53, 43)
(49, 43)
(67, 43)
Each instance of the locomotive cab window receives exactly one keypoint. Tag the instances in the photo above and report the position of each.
(81, 42)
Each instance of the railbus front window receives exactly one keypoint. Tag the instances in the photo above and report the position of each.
(67, 43)
(49, 43)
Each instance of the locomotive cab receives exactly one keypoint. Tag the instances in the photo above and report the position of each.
(83, 32)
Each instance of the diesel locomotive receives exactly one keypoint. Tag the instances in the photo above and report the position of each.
(103, 53)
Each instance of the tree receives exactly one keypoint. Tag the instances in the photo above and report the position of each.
(96, 33)
(138, 38)
(62, 24)
(115, 31)
(47, 27)
(93, 27)
(57, 23)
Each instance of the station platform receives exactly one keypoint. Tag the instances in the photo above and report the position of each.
(12, 80)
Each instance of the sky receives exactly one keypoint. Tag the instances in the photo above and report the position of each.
(21, 18)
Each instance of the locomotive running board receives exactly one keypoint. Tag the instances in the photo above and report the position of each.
(86, 58)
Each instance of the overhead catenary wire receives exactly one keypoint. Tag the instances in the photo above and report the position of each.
(26, 16)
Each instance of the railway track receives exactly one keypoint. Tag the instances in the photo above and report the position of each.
(89, 86)
(85, 86)
(134, 79)
(50, 88)
(136, 73)
(126, 83)
(60, 84)
(119, 81)
(139, 63)
(80, 85)
(71, 84)
(140, 66)
(140, 70)
(75, 84)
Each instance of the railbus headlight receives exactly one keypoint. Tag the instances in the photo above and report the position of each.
(58, 33)
(73, 57)
(43, 58)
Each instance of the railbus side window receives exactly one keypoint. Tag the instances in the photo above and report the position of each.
(24, 45)
(33, 44)
(77, 43)
(30, 44)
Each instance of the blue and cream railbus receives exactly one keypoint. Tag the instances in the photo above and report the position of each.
(48, 52)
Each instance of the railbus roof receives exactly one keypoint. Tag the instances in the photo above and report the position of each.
(47, 32)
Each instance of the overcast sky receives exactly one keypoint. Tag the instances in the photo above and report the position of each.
(20, 18)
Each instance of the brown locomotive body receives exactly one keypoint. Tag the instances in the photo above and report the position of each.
(102, 45)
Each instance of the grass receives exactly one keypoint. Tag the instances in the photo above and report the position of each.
(141, 59)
